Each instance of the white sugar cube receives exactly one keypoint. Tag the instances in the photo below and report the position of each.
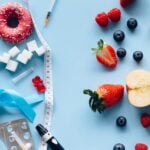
(14, 51)
(23, 59)
(32, 46)
(41, 50)
(12, 65)
(27, 54)
(5, 58)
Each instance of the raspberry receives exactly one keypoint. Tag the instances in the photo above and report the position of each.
(145, 120)
(126, 3)
(141, 146)
(114, 14)
(102, 19)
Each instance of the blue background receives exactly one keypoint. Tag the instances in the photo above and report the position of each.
(71, 33)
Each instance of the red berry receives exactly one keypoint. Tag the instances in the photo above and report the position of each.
(126, 3)
(141, 146)
(111, 94)
(145, 120)
(105, 96)
(114, 14)
(102, 19)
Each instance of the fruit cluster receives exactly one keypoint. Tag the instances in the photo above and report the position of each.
(105, 54)
(138, 146)
(119, 35)
(108, 95)
(137, 55)
(103, 18)
(38, 84)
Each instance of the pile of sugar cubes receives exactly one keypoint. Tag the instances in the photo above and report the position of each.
(14, 56)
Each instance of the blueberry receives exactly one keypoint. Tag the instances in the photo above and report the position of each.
(138, 56)
(132, 23)
(121, 121)
(121, 52)
(119, 35)
(119, 146)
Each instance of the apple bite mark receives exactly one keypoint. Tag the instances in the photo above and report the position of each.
(138, 88)
(105, 54)
(105, 96)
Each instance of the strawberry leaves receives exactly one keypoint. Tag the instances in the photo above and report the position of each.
(95, 102)
(100, 44)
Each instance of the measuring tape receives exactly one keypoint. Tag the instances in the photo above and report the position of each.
(48, 81)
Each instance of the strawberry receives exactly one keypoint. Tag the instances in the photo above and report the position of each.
(114, 14)
(105, 55)
(145, 120)
(126, 3)
(102, 19)
(141, 146)
(105, 96)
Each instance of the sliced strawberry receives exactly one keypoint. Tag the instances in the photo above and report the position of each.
(105, 55)
(106, 96)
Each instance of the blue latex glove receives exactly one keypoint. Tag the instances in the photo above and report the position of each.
(11, 98)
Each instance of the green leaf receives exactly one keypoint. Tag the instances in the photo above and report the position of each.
(100, 44)
(96, 104)
(95, 95)
(101, 108)
(94, 107)
(88, 92)
(91, 101)
(94, 50)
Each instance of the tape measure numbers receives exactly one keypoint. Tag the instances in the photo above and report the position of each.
(48, 95)
(48, 81)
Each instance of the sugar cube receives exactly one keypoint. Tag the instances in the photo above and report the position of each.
(41, 50)
(5, 58)
(23, 59)
(27, 54)
(14, 51)
(12, 65)
(32, 46)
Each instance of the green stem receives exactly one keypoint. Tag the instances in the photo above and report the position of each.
(95, 102)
